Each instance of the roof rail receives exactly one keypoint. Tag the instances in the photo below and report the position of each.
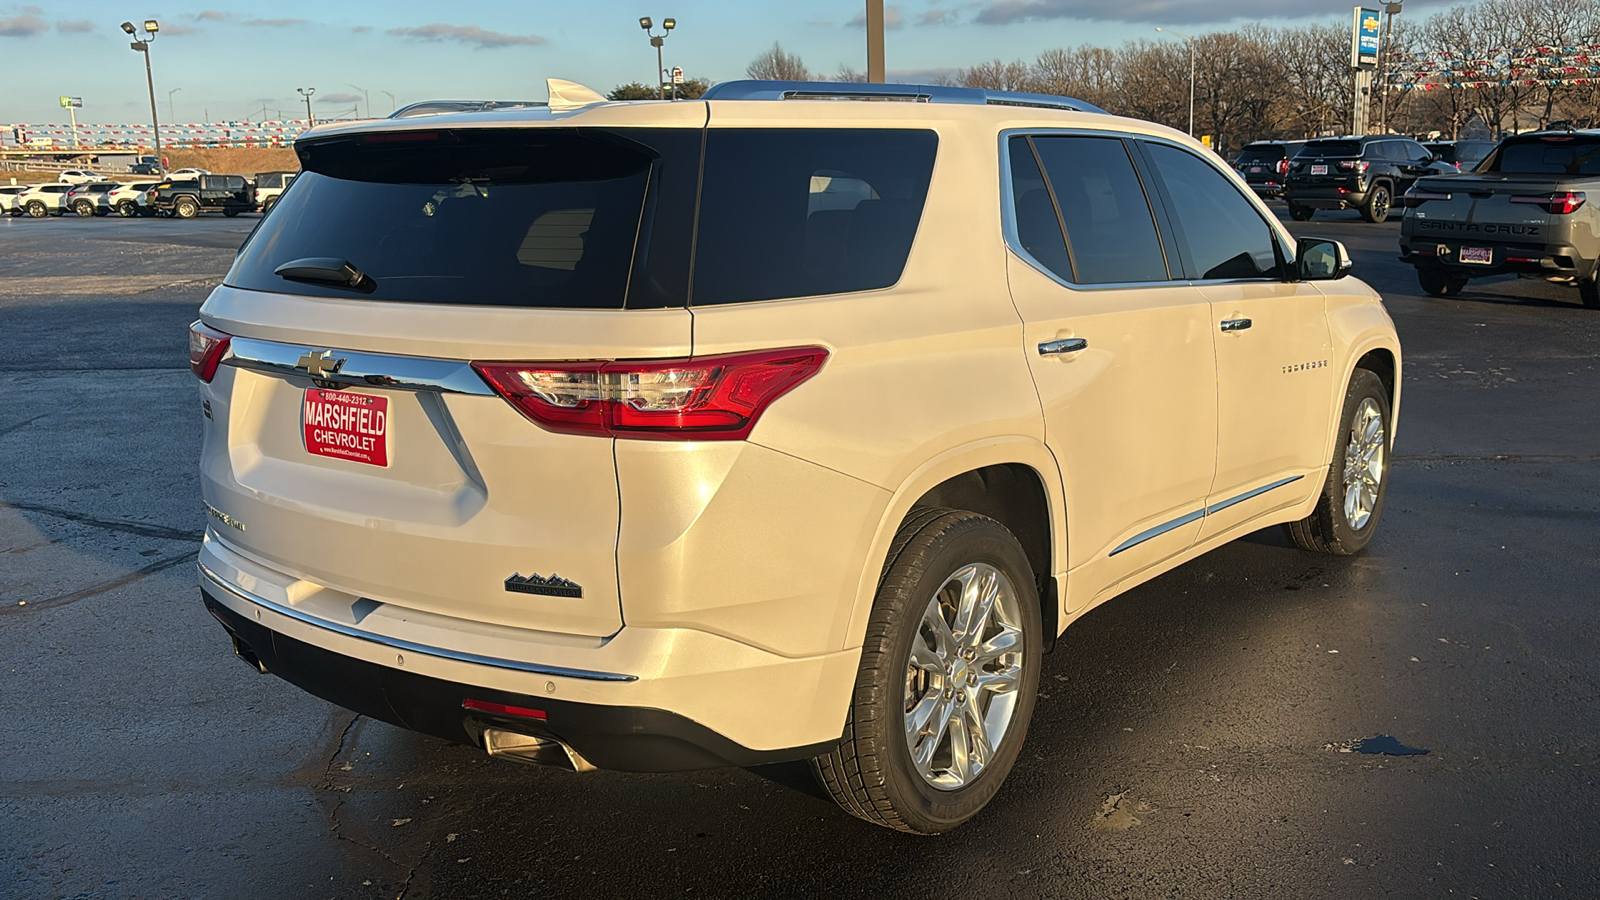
(437, 107)
(913, 93)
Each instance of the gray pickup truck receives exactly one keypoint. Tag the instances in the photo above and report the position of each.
(1524, 210)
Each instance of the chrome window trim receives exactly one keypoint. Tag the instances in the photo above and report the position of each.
(411, 646)
(1201, 513)
(360, 369)
(1008, 208)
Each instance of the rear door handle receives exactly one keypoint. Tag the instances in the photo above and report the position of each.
(1235, 324)
(1065, 345)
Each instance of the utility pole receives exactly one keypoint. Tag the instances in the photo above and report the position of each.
(392, 104)
(1393, 9)
(364, 97)
(875, 73)
(172, 116)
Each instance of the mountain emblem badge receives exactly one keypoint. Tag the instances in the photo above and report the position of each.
(554, 586)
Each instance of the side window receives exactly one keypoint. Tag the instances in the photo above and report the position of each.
(1416, 152)
(808, 211)
(1038, 227)
(1111, 232)
(1222, 233)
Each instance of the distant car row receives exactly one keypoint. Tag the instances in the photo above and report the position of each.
(182, 197)
(86, 176)
(1363, 173)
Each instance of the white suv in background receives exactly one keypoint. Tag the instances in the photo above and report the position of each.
(768, 426)
(40, 200)
(128, 199)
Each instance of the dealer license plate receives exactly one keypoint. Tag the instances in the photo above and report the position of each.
(1319, 170)
(346, 426)
(1254, 169)
(1480, 255)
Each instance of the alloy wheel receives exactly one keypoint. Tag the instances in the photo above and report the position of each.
(1364, 461)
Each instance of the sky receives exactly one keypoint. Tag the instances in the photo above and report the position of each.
(219, 60)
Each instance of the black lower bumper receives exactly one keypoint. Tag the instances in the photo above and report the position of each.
(1557, 261)
(624, 738)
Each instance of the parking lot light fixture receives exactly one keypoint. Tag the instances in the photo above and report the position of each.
(151, 26)
(1191, 72)
(306, 93)
(656, 40)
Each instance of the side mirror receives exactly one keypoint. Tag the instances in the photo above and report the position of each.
(1320, 259)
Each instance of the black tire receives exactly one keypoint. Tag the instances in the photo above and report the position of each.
(1439, 282)
(1329, 528)
(37, 209)
(185, 208)
(1376, 209)
(230, 211)
(1301, 213)
(267, 206)
(1589, 293)
(127, 209)
(83, 208)
(871, 773)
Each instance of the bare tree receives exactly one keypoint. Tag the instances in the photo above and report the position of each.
(776, 65)
(998, 75)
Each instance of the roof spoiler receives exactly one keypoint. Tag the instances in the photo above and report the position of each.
(913, 93)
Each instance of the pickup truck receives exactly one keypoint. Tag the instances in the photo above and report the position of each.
(1524, 210)
(226, 194)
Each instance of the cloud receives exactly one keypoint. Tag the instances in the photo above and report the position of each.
(360, 29)
(471, 35)
(893, 17)
(212, 15)
(936, 17)
(23, 26)
(33, 10)
(339, 98)
(274, 23)
(179, 29)
(82, 26)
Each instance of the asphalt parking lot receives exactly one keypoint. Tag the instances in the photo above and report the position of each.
(1188, 736)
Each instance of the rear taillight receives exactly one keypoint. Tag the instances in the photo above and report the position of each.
(206, 349)
(1353, 165)
(1415, 198)
(1560, 203)
(153, 193)
(710, 398)
(1283, 167)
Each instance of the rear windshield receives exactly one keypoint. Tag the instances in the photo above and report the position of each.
(1549, 156)
(599, 219)
(1332, 148)
(1259, 154)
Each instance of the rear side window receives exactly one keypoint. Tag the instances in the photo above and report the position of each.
(1111, 232)
(1549, 156)
(545, 218)
(806, 212)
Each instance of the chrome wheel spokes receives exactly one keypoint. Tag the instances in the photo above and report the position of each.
(1364, 462)
(963, 675)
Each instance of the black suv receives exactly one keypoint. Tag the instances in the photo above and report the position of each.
(1265, 164)
(1364, 173)
(1464, 155)
(226, 194)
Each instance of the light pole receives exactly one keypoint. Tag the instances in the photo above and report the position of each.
(1393, 9)
(1191, 73)
(171, 116)
(306, 93)
(364, 97)
(874, 20)
(151, 26)
(656, 40)
(392, 104)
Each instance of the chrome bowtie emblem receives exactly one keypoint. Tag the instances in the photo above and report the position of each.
(319, 363)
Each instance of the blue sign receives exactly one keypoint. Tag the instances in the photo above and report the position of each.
(1365, 44)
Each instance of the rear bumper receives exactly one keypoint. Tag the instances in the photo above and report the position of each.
(1325, 197)
(644, 700)
(1557, 261)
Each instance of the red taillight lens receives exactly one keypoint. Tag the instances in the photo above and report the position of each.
(153, 194)
(1283, 167)
(1353, 165)
(709, 398)
(1560, 204)
(206, 349)
(1415, 198)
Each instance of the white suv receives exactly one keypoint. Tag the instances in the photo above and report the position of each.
(769, 426)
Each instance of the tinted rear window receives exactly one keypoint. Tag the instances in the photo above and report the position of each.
(529, 217)
(806, 212)
(1559, 156)
(1332, 148)
(1259, 154)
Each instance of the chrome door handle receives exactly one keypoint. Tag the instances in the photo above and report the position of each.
(1235, 324)
(1065, 345)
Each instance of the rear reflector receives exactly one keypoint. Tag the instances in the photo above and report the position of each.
(206, 349)
(1561, 203)
(708, 398)
(501, 709)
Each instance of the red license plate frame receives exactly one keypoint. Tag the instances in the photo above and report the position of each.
(346, 425)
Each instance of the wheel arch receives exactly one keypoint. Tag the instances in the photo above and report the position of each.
(1015, 482)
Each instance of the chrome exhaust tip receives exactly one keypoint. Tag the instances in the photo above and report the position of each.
(534, 750)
